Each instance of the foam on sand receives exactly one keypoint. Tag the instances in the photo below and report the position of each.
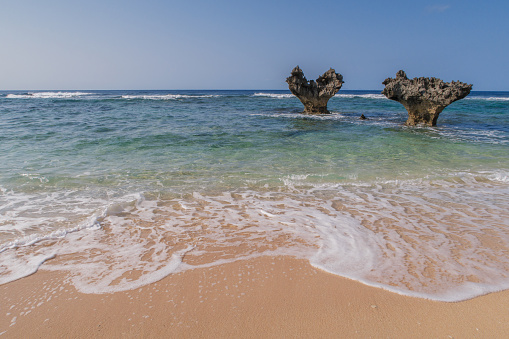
(421, 238)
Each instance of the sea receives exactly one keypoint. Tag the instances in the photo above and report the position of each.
(119, 189)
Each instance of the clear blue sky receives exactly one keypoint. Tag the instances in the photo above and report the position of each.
(223, 44)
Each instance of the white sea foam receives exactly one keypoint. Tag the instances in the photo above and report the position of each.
(289, 180)
(487, 98)
(441, 239)
(48, 95)
(332, 116)
(500, 176)
(110, 281)
(19, 266)
(422, 242)
(23, 214)
(91, 223)
(167, 96)
(364, 96)
(29, 215)
(485, 136)
(274, 95)
(338, 95)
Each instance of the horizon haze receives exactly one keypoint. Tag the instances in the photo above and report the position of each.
(95, 45)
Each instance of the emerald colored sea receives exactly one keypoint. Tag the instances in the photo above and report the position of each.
(122, 188)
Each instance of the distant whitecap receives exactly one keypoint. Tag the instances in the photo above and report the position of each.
(47, 95)
(275, 95)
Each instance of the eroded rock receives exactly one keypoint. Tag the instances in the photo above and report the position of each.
(424, 98)
(314, 95)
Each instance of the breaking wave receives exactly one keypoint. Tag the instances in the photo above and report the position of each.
(167, 97)
(418, 237)
(491, 98)
(48, 95)
(363, 96)
(275, 95)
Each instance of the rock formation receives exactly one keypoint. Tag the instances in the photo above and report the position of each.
(424, 98)
(314, 95)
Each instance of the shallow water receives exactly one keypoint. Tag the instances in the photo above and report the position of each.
(122, 188)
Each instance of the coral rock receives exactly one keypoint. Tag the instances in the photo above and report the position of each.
(424, 98)
(314, 95)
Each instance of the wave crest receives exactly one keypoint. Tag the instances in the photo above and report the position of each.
(47, 95)
(167, 96)
(363, 96)
(274, 95)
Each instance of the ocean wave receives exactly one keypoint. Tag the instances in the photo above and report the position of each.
(379, 233)
(48, 95)
(444, 177)
(332, 116)
(91, 223)
(167, 96)
(499, 176)
(22, 256)
(52, 214)
(19, 266)
(487, 98)
(494, 137)
(338, 95)
(274, 95)
(363, 96)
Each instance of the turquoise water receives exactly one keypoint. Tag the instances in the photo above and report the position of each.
(420, 211)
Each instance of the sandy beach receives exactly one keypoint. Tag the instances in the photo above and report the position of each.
(252, 169)
(268, 297)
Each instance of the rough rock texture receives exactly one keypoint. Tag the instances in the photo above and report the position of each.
(424, 98)
(314, 95)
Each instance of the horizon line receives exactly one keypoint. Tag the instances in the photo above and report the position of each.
(259, 89)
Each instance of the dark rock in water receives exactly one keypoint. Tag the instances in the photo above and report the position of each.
(363, 117)
(314, 95)
(424, 98)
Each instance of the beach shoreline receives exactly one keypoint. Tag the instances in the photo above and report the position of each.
(211, 213)
(262, 297)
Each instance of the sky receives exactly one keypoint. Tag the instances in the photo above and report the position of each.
(223, 44)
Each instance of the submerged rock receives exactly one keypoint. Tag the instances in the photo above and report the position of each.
(424, 98)
(314, 95)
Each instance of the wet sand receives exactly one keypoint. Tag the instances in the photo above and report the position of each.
(269, 297)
